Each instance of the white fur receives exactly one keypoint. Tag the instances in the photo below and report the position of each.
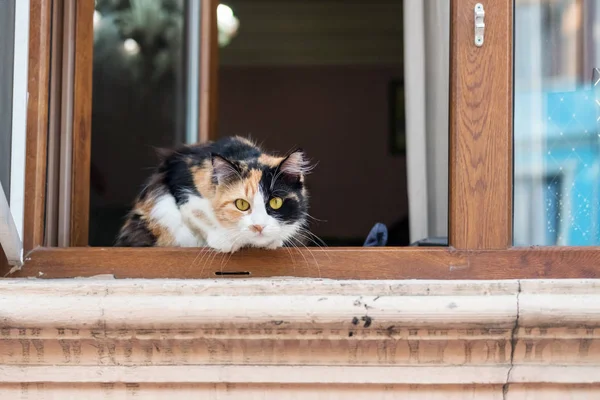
(188, 230)
(166, 213)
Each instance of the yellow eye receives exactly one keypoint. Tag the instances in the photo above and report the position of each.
(242, 205)
(276, 203)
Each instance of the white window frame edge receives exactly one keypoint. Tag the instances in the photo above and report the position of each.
(12, 216)
(299, 331)
(9, 235)
(426, 82)
(193, 72)
(416, 139)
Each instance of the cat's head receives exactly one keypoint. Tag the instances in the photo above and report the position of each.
(262, 202)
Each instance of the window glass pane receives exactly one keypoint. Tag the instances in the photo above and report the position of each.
(556, 131)
(139, 101)
(7, 37)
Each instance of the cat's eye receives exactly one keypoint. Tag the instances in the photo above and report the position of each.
(242, 205)
(276, 203)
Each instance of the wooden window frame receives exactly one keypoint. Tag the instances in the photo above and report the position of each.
(480, 177)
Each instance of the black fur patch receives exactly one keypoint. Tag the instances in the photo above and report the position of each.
(135, 233)
(292, 210)
(235, 149)
(178, 177)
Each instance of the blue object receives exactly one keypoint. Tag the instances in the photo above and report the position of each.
(378, 236)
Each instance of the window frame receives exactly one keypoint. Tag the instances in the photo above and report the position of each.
(12, 202)
(480, 179)
(40, 14)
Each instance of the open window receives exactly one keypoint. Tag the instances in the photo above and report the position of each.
(14, 24)
(292, 74)
(473, 103)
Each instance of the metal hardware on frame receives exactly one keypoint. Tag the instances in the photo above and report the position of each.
(479, 24)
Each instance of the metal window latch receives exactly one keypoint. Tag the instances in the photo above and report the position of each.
(479, 24)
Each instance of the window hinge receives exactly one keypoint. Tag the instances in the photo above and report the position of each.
(479, 24)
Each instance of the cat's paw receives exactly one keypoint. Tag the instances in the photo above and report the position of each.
(220, 244)
(274, 245)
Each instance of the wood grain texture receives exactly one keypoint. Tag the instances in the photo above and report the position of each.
(335, 263)
(480, 206)
(5, 267)
(66, 41)
(209, 71)
(53, 190)
(40, 14)
(82, 123)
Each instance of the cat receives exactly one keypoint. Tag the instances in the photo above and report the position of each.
(225, 195)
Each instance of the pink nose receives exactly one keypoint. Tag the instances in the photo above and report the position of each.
(257, 228)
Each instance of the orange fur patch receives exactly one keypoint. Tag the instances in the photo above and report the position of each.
(144, 207)
(202, 176)
(202, 217)
(162, 235)
(270, 161)
(245, 141)
(224, 201)
(251, 183)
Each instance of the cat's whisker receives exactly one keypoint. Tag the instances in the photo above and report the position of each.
(213, 253)
(298, 250)
(305, 231)
(313, 218)
(195, 258)
(237, 239)
(204, 251)
(313, 256)
(285, 246)
(277, 174)
(312, 237)
(205, 257)
(208, 256)
(225, 255)
(310, 251)
(216, 254)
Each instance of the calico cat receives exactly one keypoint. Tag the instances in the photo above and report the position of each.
(225, 195)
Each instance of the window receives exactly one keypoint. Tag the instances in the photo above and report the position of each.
(144, 98)
(556, 123)
(480, 174)
(14, 20)
(492, 336)
(293, 74)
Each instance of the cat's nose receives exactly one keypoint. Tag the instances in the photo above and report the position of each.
(257, 228)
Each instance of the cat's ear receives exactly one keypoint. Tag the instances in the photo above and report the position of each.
(223, 169)
(295, 166)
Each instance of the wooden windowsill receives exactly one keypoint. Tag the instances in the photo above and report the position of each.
(333, 263)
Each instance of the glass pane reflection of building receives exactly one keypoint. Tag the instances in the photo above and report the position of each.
(556, 117)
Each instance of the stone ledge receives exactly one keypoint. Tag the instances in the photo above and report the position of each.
(300, 331)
